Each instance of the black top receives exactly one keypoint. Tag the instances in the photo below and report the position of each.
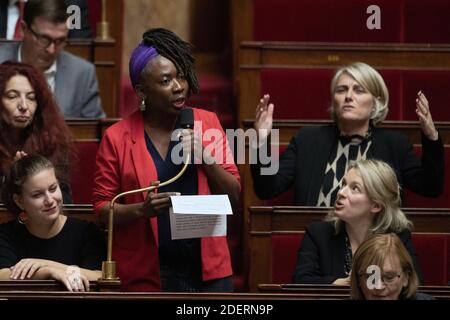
(78, 243)
(321, 257)
(303, 164)
(181, 255)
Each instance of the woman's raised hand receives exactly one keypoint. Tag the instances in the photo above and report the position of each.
(426, 121)
(264, 118)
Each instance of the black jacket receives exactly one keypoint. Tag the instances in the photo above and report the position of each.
(321, 257)
(303, 164)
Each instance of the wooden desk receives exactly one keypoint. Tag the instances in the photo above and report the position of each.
(341, 292)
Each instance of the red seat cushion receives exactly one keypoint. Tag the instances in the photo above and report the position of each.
(94, 7)
(82, 174)
(284, 256)
(435, 85)
(325, 20)
(300, 93)
(433, 253)
(427, 21)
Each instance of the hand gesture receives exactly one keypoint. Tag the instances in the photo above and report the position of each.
(156, 202)
(192, 143)
(426, 121)
(26, 268)
(342, 281)
(264, 117)
(19, 155)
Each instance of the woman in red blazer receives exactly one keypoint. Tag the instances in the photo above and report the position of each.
(137, 151)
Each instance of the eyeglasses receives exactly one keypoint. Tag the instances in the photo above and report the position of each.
(46, 41)
(387, 278)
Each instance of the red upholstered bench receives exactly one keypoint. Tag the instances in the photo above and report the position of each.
(82, 174)
(433, 252)
(435, 85)
(95, 13)
(304, 93)
(325, 20)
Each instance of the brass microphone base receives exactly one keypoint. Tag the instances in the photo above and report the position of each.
(103, 30)
(109, 271)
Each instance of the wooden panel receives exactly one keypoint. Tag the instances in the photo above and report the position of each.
(79, 211)
(90, 129)
(289, 128)
(343, 292)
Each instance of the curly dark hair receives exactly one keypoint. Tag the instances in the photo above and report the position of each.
(48, 133)
(172, 47)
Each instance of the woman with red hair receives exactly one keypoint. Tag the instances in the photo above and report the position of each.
(31, 123)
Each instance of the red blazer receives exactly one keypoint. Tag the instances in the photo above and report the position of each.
(123, 163)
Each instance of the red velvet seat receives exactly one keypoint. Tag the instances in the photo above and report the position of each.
(325, 20)
(284, 256)
(433, 252)
(95, 13)
(434, 257)
(305, 93)
(427, 21)
(82, 174)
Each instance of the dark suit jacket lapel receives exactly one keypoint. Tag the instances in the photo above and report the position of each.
(338, 253)
(3, 17)
(325, 142)
(379, 146)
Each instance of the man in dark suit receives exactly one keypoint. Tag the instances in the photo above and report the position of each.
(77, 33)
(72, 79)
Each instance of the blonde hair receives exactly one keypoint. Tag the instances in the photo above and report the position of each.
(371, 81)
(381, 187)
(375, 251)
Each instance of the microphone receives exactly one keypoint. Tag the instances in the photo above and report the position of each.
(186, 118)
(109, 274)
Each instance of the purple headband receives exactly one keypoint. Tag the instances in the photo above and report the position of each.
(139, 59)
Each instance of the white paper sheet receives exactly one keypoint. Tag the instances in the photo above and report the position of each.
(199, 216)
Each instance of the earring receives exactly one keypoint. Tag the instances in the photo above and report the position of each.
(23, 218)
(142, 105)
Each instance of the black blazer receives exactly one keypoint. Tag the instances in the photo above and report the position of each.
(3, 17)
(321, 259)
(304, 161)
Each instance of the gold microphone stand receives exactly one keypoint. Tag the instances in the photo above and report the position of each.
(103, 25)
(109, 266)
